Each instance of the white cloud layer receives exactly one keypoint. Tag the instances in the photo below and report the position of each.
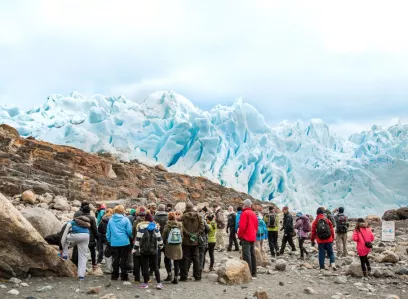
(345, 62)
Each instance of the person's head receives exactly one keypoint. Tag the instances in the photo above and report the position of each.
(285, 210)
(141, 211)
(132, 212)
(178, 215)
(319, 211)
(299, 214)
(247, 203)
(169, 207)
(230, 209)
(239, 209)
(109, 212)
(86, 209)
(215, 206)
(119, 209)
(83, 204)
(189, 207)
(161, 208)
(102, 206)
(205, 209)
(172, 216)
(210, 218)
(341, 210)
(149, 217)
(361, 223)
(271, 209)
(152, 206)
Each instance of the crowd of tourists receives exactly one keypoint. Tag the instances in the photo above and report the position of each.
(134, 241)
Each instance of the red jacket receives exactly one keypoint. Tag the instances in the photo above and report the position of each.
(314, 230)
(248, 225)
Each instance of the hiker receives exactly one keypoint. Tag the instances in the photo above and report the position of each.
(261, 234)
(239, 212)
(102, 228)
(363, 236)
(118, 233)
(161, 219)
(303, 229)
(248, 226)
(77, 233)
(169, 208)
(140, 223)
(220, 221)
(272, 225)
(93, 235)
(79, 212)
(100, 212)
(211, 240)
(192, 228)
(323, 233)
(152, 208)
(148, 241)
(342, 226)
(132, 216)
(173, 238)
(203, 243)
(231, 229)
(288, 231)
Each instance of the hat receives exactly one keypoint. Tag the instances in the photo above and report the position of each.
(142, 211)
(319, 211)
(86, 209)
(189, 206)
(102, 207)
(285, 208)
(132, 212)
(161, 207)
(298, 214)
(149, 217)
(341, 210)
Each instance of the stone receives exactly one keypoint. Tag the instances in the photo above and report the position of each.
(14, 280)
(391, 215)
(28, 196)
(160, 167)
(400, 249)
(261, 258)
(127, 283)
(61, 203)
(46, 198)
(26, 250)
(403, 271)
(403, 213)
(260, 295)
(388, 273)
(377, 273)
(9, 131)
(43, 221)
(373, 219)
(13, 292)
(307, 266)
(388, 257)
(97, 272)
(212, 277)
(234, 272)
(2, 286)
(43, 205)
(24, 284)
(76, 203)
(340, 280)
(309, 291)
(109, 296)
(95, 290)
(180, 206)
(280, 265)
(379, 249)
(355, 270)
(43, 289)
(390, 296)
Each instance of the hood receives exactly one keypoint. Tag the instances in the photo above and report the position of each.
(320, 216)
(161, 213)
(151, 226)
(304, 218)
(173, 223)
(106, 218)
(102, 207)
(117, 217)
(363, 225)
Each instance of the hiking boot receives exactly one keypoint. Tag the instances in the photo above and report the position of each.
(183, 279)
(168, 278)
(175, 281)
(143, 286)
(159, 286)
(236, 249)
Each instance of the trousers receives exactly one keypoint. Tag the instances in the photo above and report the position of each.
(248, 255)
(82, 241)
(341, 243)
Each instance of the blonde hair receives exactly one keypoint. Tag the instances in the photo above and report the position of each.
(109, 212)
(119, 209)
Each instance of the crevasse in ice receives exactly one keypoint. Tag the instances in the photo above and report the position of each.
(300, 165)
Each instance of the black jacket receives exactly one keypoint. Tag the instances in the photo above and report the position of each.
(231, 221)
(288, 223)
(103, 226)
(161, 218)
(93, 232)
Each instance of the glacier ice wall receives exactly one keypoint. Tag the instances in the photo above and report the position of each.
(300, 165)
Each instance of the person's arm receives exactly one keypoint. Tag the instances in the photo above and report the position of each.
(200, 226)
(64, 235)
(93, 228)
(159, 238)
(355, 236)
(298, 224)
(331, 229)
(166, 230)
(243, 222)
(313, 234)
(108, 232)
(139, 236)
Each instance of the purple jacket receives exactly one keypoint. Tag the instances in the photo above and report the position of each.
(299, 226)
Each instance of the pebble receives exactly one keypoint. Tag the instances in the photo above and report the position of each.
(212, 277)
(24, 284)
(336, 297)
(94, 290)
(14, 280)
(309, 291)
(2, 286)
(341, 280)
(44, 289)
(112, 296)
(281, 283)
(127, 283)
(13, 292)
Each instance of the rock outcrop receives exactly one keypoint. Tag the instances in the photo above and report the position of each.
(399, 214)
(42, 220)
(23, 250)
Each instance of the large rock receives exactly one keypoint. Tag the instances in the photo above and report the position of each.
(61, 203)
(234, 271)
(180, 206)
(28, 196)
(389, 257)
(43, 221)
(391, 215)
(25, 249)
(355, 270)
(403, 213)
(262, 259)
(373, 219)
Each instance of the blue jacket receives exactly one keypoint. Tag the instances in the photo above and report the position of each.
(237, 220)
(262, 233)
(76, 229)
(119, 231)
(99, 216)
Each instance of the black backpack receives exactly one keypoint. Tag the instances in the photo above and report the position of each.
(323, 229)
(272, 220)
(148, 243)
(342, 224)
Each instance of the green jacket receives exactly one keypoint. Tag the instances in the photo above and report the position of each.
(211, 234)
(272, 229)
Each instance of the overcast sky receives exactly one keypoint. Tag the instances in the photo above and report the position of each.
(343, 61)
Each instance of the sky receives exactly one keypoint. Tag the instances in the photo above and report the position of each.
(345, 62)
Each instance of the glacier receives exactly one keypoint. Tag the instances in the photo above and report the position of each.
(302, 165)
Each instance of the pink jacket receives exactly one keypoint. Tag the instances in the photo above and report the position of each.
(362, 250)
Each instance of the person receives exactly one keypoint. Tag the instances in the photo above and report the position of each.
(192, 228)
(140, 223)
(77, 233)
(239, 212)
(261, 234)
(152, 208)
(148, 241)
(342, 226)
(118, 234)
(220, 221)
(132, 216)
(100, 212)
(93, 235)
(362, 235)
(173, 238)
(211, 240)
(323, 233)
(203, 242)
(288, 231)
(248, 226)
(231, 229)
(329, 216)
(161, 219)
(102, 227)
(79, 212)
(272, 224)
(303, 228)
(169, 208)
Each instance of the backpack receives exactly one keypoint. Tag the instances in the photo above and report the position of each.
(148, 242)
(174, 237)
(272, 220)
(306, 225)
(220, 219)
(323, 229)
(342, 224)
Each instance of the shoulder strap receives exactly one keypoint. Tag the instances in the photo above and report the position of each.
(361, 234)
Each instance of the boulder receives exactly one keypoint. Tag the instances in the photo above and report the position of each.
(391, 215)
(403, 213)
(26, 251)
(373, 219)
(400, 249)
(280, 265)
(61, 203)
(46, 198)
(262, 259)
(76, 203)
(28, 196)
(403, 271)
(43, 221)
(180, 206)
(355, 270)
(388, 257)
(234, 271)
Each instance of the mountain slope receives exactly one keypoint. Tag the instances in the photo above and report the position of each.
(300, 165)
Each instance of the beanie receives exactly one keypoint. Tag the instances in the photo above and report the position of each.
(319, 211)
(132, 212)
(149, 217)
(298, 214)
(86, 209)
(142, 211)
(341, 210)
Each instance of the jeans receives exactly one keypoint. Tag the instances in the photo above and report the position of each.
(248, 255)
(273, 242)
(201, 253)
(365, 264)
(303, 251)
(210, 249)
(323, 248)
(232, 239)
(341, 241)
(190, 253)
(176, 268)
(100, 247)
(152, 261)
(287, 238)
(167, 262)
(120, 256)
(137, 266)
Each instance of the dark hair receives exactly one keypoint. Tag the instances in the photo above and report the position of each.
(319, 211)
(205, 209)
(149, 217)
(210, 217)
(341, 210)
(239, 209)
(86, 209)
(215, 205)
(83, 204)
(271, 208)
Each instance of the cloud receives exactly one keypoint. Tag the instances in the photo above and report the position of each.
(346, 62)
